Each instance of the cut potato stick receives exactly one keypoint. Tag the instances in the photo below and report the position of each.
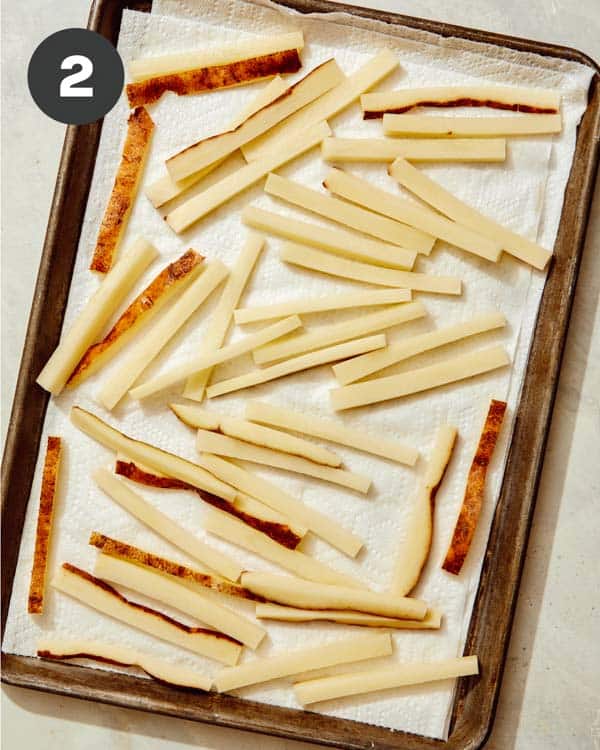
(335, 432)
(88, 326)
(439, 198)
(165, 527)
(222, 445)
(213, 77)
(110, 653)
(333, 265)
(318, 595)
(473, 498)
(268, 611)
(306, 305)
(515, 98)
(447, 371)
(414, 552)
(239, 534)
(325, 107)
(360, 367)
(321, 525)
(473, 127)
(131, 166)
(147, 348)
(333, 240)
(351, 216)
(320, 80)
(138, 314)
(202, 204)
(366, 194)
(196, 416)
(416, 149)
(400, 675)
(216, 357)
(298, 364)
(102, 597)
(149, 455)
(50, 474)
(167, 591)
(351, 649)
(338, 332)
(220, 321)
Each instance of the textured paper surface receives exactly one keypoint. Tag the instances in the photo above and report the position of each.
(525, 193)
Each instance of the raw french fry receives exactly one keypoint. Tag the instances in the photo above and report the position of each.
(306, 305)
(237, 533)
(345, 213)
(320, 525)
(474, 127)
(320, 80)
(517, 99)
(335, 333)
(110, 653)
(296, 592)
(325, 107)
(360, 367)
(440, 199)
(220, 321)
(149, 346)
(116, 215)
(333, 240)
(96, 313)
(138, 314)
(202, 204)
(37, 584)
(102, 597)
(351, 649)
(416, 149)
(221, 445)
(473, 499)
(149, 455)
(369, 196)
(298, 364)
(399, 675)
(167, 591)
(213, 77)
(327, 429)
(164, 526)
(268, 611)
(196, 416)
(413, 554)
(333, 265)
(216, 356)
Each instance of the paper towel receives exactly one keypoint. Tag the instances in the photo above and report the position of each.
(525, 193)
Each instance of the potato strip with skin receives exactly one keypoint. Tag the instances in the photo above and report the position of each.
(470, 127)
(269, 611)
(373, 150)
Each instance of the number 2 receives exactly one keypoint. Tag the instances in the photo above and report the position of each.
(67, 85)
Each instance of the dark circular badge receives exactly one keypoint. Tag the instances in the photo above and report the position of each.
(75, 76)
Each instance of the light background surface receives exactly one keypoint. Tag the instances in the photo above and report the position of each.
(550, 697)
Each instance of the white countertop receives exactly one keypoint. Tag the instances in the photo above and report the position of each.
(550, 696)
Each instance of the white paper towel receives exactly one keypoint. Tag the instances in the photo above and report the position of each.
(525, 193)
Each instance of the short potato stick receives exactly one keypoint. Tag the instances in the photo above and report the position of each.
(216, 356)
(196, 416)
(470, 127)
(333, 240)
(222, 445)
(357, 190)
(447, 371)
(116, 215)
(110, 653)
(333, 265)
(202, 204)
(399, 675)
(351, 649)
(149, 346)
(96, 313)
(268, 611)
(298, 364)
(416, 149)
(335, 432)
(442, 200)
